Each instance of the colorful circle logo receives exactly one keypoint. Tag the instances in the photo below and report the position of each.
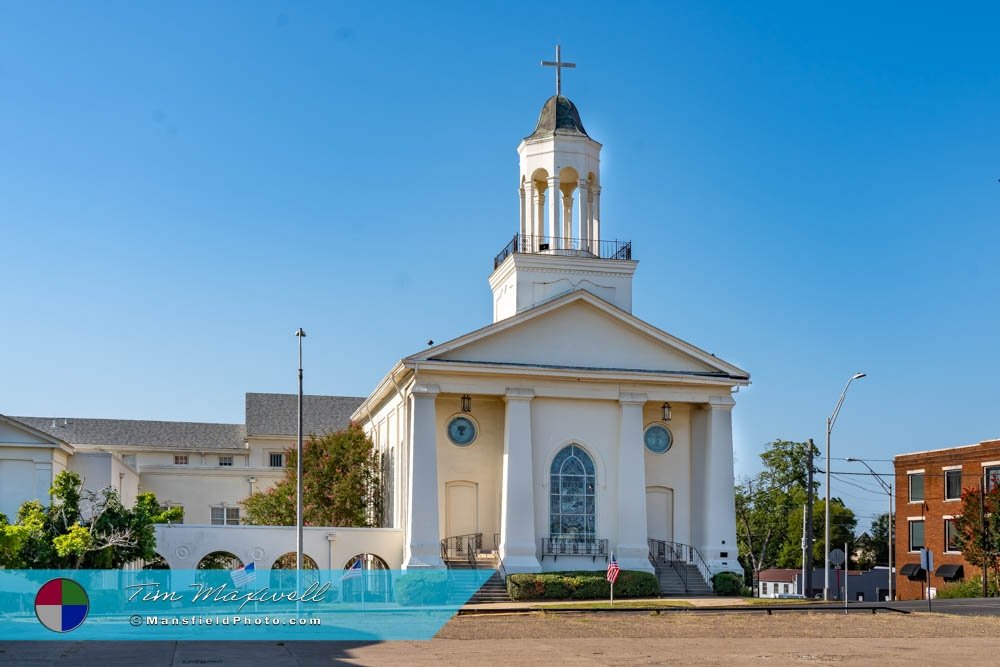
(61, 605)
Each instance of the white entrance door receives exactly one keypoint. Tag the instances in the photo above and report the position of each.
(660, 513)
(461, 508)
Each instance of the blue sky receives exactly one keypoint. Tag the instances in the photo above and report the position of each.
(810, 191)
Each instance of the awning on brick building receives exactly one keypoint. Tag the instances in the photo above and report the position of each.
(912, 570)
(949, 572)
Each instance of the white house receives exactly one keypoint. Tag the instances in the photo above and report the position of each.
(566, 429)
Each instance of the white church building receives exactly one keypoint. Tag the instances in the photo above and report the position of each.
(563, 431)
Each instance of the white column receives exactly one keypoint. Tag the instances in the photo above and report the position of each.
(718, 533)
(524, 217)
(528, 200)
(423, 539)
(540, 216)
(595, 217)
(568, 220)
(517, 498)
(631, 548)
(555, 228)
(583, 215)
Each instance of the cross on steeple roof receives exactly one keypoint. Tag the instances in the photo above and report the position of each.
(559, 65)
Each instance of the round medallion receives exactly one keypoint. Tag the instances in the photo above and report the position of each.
(61, 605)
(461, 431)
(658, 438)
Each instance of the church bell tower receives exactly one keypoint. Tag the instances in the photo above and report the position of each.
(558, 248)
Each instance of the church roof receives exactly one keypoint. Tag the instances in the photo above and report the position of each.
(266, 414)
(559, 116)
(276, 414)
(140, 433)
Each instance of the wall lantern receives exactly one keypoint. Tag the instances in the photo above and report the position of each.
(666, 412)
(466, 403)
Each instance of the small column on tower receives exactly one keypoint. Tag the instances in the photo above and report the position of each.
(567, 221)
(583, 216)
(529, 206)
(524, 214)
(595, 217)
(555, 225)
(539, 216)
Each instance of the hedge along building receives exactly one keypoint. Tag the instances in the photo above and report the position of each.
(568, 427)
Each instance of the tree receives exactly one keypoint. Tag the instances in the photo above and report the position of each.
(767, 506)
(880, 538)
(981, 548)
(81, 529)
(341, 484)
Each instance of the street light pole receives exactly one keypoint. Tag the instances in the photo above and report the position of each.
(831, 420)
(887, 487)
(300, 334)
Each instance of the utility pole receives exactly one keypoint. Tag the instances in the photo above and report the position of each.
(805, 561)
(809, 521)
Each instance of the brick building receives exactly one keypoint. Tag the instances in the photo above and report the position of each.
(929, 489)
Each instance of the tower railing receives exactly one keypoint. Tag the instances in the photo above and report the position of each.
(556, 245)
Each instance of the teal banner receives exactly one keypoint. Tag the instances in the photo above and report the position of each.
(231, 604)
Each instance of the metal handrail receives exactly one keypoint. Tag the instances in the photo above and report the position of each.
(558, 245)
(572, 546)
(675, 552)
(455, 547)
(659, 550)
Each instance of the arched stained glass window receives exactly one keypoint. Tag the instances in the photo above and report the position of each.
(571, 504)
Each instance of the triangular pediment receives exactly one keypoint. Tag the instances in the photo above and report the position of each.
(14, 432)
(580, 330)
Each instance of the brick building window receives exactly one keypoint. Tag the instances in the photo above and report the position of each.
(916, 535)
(916, 487)
(950, 543)
(952, 484)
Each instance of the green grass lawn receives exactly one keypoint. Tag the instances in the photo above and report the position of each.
(624, 604)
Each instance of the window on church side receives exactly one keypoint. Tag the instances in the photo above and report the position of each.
(572, 496)
(225, 460)
(225, 516)
(277, 460)
(181, 460)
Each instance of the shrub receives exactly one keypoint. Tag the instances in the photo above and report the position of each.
(580, 585)
(422, 588)
(970, 588)
(728, 583)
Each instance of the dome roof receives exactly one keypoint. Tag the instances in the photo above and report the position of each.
(558, 116)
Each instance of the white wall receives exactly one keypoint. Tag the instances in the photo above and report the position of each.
(672, 469)
(480, 463)
(26, 473)
(184, 545)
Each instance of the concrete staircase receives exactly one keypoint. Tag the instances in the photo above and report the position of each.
(680, 579)
(493, 590)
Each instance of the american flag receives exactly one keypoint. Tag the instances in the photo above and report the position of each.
(244, 575)
(352, 571)
(613, 570)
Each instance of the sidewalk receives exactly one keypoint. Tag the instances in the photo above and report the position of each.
(652, 602)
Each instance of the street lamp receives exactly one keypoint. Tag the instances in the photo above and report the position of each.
(826, 542)
(887, 487)
(299, 519)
